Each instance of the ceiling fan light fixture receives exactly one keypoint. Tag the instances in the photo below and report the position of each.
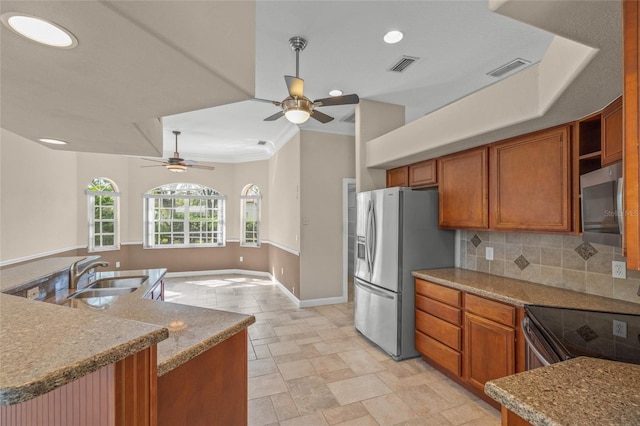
(297, 110)
(39, 30)
(297, 116)
(393, 37)
(176, 168)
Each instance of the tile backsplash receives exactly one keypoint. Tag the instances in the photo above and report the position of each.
(555, 260)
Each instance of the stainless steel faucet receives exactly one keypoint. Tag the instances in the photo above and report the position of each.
(75, 275)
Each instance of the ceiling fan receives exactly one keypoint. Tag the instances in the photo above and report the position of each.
(296, 107)
(177, 164)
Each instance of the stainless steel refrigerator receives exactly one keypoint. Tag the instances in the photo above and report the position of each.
(396, 233)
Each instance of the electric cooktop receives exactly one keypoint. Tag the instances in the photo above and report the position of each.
(575, 332)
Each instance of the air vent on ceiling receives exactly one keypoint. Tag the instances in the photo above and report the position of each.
(403, 63)
(262, 142)
(351, 118)
(506, 68)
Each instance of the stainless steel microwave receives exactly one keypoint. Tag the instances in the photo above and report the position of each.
(601, 203)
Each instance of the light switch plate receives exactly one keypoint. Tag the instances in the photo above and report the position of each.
(489, 253)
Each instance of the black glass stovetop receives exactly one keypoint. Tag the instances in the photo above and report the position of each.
(575, 332)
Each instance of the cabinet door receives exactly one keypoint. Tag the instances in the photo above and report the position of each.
(612, 133)
(489, 350)
(398, 177)
(531, 182)
(464, 190)
(423, 173)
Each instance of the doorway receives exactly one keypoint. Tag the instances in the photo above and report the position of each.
(348, 235)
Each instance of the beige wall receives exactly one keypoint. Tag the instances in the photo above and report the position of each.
(38, 198)
(284, 198)
(326, 159)
(373, 119)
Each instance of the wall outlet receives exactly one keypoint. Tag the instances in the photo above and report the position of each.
(293, 290)
(33, 293)
(488, 253)
(620, 329)
(282, 271)
(619, 269)
(241, 259)
(117, 264)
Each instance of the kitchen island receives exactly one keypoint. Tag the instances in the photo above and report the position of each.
(188, 339)
(580, 391)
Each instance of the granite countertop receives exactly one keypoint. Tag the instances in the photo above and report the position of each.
(572, 393)
(44, 346)
(186, 331)
(519, 292)
(12, 278)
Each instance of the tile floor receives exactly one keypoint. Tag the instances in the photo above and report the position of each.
(308, 366)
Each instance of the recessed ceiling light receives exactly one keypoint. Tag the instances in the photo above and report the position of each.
(53, 141)
(335, 92)
(393, 37)
(40, 30)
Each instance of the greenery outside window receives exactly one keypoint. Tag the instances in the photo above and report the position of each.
(184, 215)
(103, 207)
(250, 210)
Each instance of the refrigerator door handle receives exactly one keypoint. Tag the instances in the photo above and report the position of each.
(370, 289)
(373, 237)
(368, 237)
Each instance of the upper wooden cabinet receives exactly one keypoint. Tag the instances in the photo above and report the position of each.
(611, 133)
(531, 182)
(422, 173)
(398, 177)
(464, 189)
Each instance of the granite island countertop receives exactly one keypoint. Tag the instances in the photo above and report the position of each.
(519, 292)
(572, 393)
(187, 330)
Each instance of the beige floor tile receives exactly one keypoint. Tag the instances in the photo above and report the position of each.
(361, 421)
(331, 333)
(451, 391)
(361, 362)
(315, 419)
(345, 413)
(262, 367)
(464, 413)
(266, 385)
(335, 346)
(389, 410)
(311, 394)
(286, 330)
(261, 412)
(326, 363)
(296, 369)
(335, 376)
(358, 389)
(424, 378)
(391, 380)
(284, 406)
(283, 348)
(424, 401)
(261, 351)
(432, 420)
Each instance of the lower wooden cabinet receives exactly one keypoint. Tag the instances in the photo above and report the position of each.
(470, 338)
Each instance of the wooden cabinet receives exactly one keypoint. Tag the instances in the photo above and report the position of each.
(438, 325)
(463, 195)
(422, 174)
(631, 119)
(531, 182)
(468, 337)
(611, 133)
(398, 177)
(489, 340)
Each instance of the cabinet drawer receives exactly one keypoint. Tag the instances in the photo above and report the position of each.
(444, 294)
(441, 354)
(490, 309)
(440, 330)
(440, 310)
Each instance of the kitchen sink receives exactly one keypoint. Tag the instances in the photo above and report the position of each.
(118, 282)
(102, 292)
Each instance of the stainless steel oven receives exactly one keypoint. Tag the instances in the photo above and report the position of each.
(538, 351)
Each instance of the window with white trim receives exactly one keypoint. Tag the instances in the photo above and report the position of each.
(250, 210)
(184, 215)
(103, 208)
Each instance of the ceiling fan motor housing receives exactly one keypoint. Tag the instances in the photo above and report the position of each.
(297, 43)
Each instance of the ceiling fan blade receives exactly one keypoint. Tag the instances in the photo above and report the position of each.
(276, 103)
(337, 100)
(154, 160)
(275, 116)
(295, 85)
(155, 165)
(320, 116)
(200, 166)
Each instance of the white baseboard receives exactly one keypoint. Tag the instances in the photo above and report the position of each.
(299, 303)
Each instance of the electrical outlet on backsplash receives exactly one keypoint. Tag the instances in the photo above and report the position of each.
(564, 261)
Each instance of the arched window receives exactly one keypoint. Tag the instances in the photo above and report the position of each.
(184, 215)
(103, 207)
(250, 210)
